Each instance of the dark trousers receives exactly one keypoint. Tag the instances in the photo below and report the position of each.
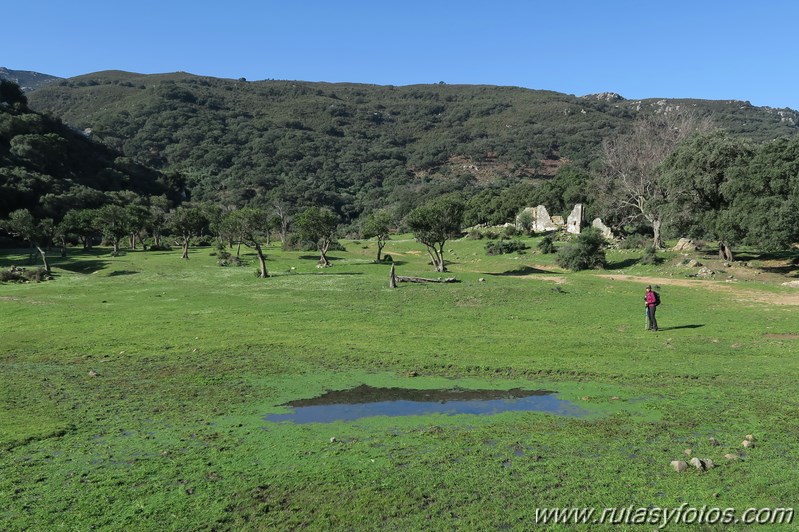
(651, 321)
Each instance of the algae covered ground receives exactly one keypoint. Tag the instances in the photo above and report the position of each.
(135, 390)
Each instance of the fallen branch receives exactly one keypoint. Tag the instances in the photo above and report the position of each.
(394, 279)
(403, 279)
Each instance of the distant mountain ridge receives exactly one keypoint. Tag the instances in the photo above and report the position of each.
(26, 79)
(355, 147)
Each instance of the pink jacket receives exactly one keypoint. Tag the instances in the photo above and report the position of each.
(650, 299)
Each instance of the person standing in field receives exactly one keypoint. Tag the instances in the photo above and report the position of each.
(651, 301)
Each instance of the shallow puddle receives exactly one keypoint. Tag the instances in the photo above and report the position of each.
(367, 401)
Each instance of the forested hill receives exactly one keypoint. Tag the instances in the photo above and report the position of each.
(49, 168)
(357, 147)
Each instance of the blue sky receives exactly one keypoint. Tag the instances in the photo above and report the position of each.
(700, 49)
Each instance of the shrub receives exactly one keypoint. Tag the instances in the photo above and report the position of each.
(524, 220)
(547, 245)
(227, 259)
(636, 241)
(202, 241)
(509, 231)
(504, 247)
(586, 252)
(650, 256)
(293, 242)
(36, 276)
(10, 276)
(230, 260)
(21, 275)
(388, 258)
(475, 234)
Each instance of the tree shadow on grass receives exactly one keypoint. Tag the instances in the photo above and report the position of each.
(523, 270)
(117, 273)
(84, 261)
(82, 266)
(766, 255)
(22, 262)
(791, 258)
(626, 263)
(789, 271)
(321, 273)
(316, 257)
(387, 264)
(695, 326)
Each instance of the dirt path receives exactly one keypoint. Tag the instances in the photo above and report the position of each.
(669, 281)
(557, 279)
(734, 289)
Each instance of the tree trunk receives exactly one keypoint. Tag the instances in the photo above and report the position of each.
(725, 252)
(392, 280)
(433, 259)
(657, 240)
(263, 274)
(284, 228)
(380, 245)
(63, 247)
(441, 267)
(431, 250)
(116, 247)
(323, 254)
(268, 238)
(185, 254)
(43, 253)
(238, 250)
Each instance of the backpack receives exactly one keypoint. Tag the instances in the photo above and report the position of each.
(657, 298)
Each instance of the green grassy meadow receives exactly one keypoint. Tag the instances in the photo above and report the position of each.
(134, 390)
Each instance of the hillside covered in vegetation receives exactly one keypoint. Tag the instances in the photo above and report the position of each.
(50, 168)
(355, 148)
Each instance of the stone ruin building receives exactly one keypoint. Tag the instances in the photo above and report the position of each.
(542, 222)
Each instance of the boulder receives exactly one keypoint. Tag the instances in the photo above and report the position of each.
(604, 229)
(679, 465)
(685, 244)
(702, 464)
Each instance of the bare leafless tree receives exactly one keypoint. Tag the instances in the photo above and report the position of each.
(630, 188)
(282, 210)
